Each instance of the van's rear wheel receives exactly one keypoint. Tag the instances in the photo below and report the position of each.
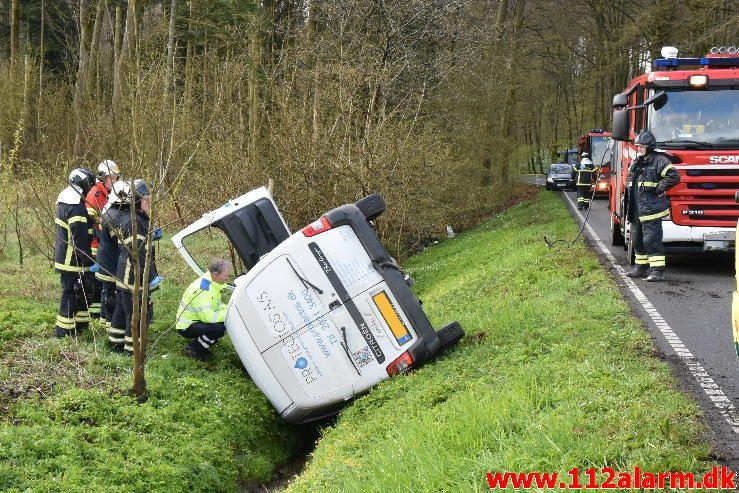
(371, 206)
(450, 334)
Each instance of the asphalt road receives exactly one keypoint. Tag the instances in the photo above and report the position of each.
(689, 320)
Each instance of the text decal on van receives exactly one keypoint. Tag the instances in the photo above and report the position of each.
(348, 303)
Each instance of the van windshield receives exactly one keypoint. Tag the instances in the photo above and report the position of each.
(697, 119)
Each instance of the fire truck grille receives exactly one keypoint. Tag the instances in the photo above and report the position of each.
(714, 186)
(702, 213)
(713, 172)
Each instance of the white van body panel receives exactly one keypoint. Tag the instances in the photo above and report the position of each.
(297, 333)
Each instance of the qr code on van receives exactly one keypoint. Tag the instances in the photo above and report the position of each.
(363, 357)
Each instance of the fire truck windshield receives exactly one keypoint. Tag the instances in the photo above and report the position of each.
(601, 154)
(697, 119)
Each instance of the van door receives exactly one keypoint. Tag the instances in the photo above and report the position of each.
(252, 223)
(273, 303)
(321, 362)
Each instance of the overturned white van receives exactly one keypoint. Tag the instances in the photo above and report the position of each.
(323, 314)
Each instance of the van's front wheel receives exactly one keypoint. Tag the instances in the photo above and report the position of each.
(450, 334)
(371, 206)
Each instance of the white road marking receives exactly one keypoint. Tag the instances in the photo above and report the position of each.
(701, 376)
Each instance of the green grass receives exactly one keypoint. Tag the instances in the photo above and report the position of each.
(554, 373)
(68, 423)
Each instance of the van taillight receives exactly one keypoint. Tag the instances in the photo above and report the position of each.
(401, 364)
(317, 227)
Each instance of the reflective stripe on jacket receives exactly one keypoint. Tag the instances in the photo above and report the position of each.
(650, 177)
(109, 250)
(201, 302)
(585, 175)
(125, 272)
(72, 248)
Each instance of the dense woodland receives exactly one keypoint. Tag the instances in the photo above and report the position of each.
(436, 104)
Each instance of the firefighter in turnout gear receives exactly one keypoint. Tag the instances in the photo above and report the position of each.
(96, 199)
(134, 241)
(115, 214)
(584, 181)
(202, 312)
(650, 176)
(72, 254)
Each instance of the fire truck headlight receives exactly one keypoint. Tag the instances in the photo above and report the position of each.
(698, 80)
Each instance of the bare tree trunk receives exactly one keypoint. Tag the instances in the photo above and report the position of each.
(14, 32)
(79, 88)
(500, 17)
(256, 57)
(506, 119)
(117, 34)
(94, 46)
(139, 378)
(313, 13)
(42, 57)
(168, 102)
(129, 39)
(486, 154)
(189, 56)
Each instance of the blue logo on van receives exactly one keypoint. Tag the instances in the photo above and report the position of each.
(301, 363)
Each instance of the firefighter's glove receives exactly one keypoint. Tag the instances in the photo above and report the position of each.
(95, 267)
(156, 234)
(156, 282)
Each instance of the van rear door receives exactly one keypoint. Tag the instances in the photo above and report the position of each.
(252, 223)
(321, 362)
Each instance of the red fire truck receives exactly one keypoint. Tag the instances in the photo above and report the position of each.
(597, 143)
(691, 105)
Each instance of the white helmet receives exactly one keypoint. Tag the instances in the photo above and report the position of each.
(107, 168)
(586, 161)
(121, 193)
(584, 154)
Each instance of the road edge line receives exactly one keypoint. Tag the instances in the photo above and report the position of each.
(714, 392)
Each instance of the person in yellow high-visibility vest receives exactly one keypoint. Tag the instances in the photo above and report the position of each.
(202, 312)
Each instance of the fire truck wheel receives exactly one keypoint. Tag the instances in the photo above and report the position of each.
(371, 206)
(617, 239)
(450, 334)
(630, 251)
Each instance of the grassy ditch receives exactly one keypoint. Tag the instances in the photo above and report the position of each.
(67, 422)
(554, 373)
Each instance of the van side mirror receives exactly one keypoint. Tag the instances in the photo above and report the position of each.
(620, 125)
(620, 100)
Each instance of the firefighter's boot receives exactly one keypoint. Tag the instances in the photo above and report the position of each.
(656, 275)
(639, 270)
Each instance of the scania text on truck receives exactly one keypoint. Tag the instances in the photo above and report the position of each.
(691, 105)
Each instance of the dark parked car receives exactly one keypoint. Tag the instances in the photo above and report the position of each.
(560, 176)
